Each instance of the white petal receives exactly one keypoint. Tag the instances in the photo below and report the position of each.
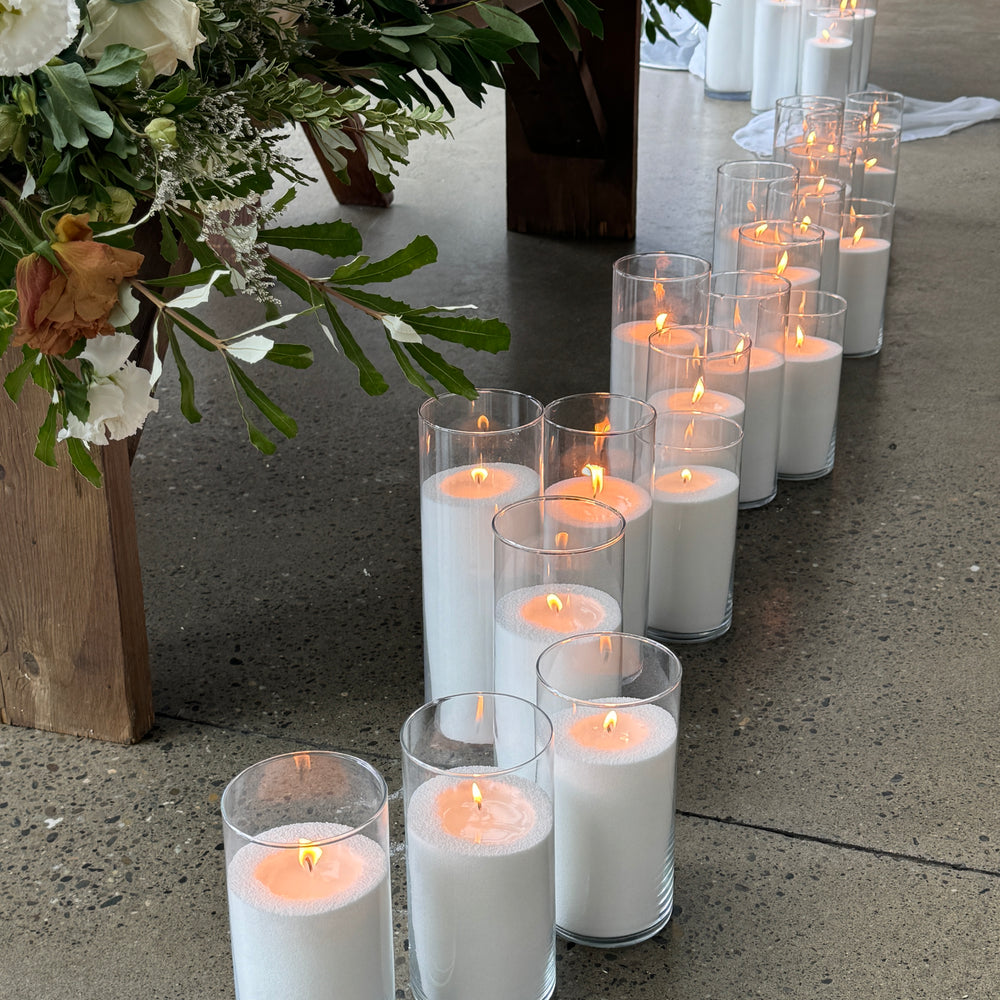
(33, 31)
(127, 308)
(134, 384)
(108, 352)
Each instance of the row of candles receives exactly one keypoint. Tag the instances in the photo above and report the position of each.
(562, 547)
(760, 50)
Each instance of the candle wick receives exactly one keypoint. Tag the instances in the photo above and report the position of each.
(479, 806)
(308, 863)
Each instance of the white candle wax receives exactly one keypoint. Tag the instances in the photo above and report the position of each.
(295, 932)
(879, 183)
(826, 64)
(614, 806)
(809, 405)
(759, 457)
(830, 264)
(804, 279)
(480, 887)
(864, 271)
(725, 253)
(630, 354)
(456, 515)
(775, 52)
(710, 401)
(633, 503)
(729, 48)
(694, 540)
(865, 18)
(527, 622)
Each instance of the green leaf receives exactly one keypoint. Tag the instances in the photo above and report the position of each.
(45, 450)
(82, 462)
(119, 64)
(332, 239)
(452, 378)
(412, 375)
(345, 271)
(479, 334)
(259, 440)
(562, 23)
(275, 415)
(168, 241)
(370, 377)
(377, 303)
(186, 379)
(74, 391)
(588, 15)
(198, 277)
(14, 382)
(506, 22)
(70, 107)
(418, 253)
(290, 355)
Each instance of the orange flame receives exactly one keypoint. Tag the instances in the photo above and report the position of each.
(782, 264)
(309, 854)
(303, 762)
(799, 336)
(699, 390)
(811, 138)
(685, 476)
(479, 475)
(737, 318)
(479, 709)
(805, 224)
(826, 35)
(605, 425)
(554, 603)
(760, 230)
(876, 115)
(689, 431)
(858, 233)
(477, 796)
(610, 721)
(820, 184)
(871, 163)
(483, 423)
(562, 539)
(605, 645)
(751, 207)
(662, 320)
(741, 346)
(596, 473)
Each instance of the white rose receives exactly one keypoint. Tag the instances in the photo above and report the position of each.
(33, 31)
(166, 30)
(119, 394)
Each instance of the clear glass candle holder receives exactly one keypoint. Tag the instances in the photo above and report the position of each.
(876, 130)
(476, 456)
(755, 304)
(600, 446)
(820, 201)
(614, 702)
(479, 849)
(791, 250)
(307, 871)
(729, 51)
(559, 569)
(710, 375)
(813, 355)
(864, 273)
(742, 192)
(806, 120)
(695, 504)
(652, 291)
(827, 53)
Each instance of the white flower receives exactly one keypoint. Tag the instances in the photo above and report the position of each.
(33, 31)
(119, 394)
(166, 30)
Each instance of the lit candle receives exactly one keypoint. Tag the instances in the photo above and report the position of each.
(809, 405)
(699, 398)
(633, 503)
(805, 279)
(864, 272)
(456, 514)
(878, 182)
(826, 65)
(305, 917)
(694, 540)
(480, 887)
(630, 352)
(614, 805)
(775, 52)
(759, 457)
(531, 618)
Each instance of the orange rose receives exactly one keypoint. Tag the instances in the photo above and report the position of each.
(57, 307)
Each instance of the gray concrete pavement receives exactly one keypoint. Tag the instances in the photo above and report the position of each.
(839, 815)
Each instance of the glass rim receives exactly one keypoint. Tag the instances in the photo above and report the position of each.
(715, 418)
(753, 169)
(618, 518)
(767, 276)
(882, 208)
(431, 401)
(347, 834)
(737, 337)
(637, 640)
(820, 296)
(462, 772)
(810, 234)
(620, 266)
(643, 408)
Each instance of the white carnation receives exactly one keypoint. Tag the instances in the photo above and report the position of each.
(33, 31)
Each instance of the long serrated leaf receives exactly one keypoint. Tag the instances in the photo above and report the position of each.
(82, 462)
(274, 413)
(452, 378)
(377, 303)
(369, 377)
(331, 239)
(480, 334)
(290, 355)
(14, 382)
(506, 22)
(186, 380)
(416, 254)
(409, 372)
(45, 449)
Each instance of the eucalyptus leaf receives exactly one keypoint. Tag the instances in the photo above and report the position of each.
(506, 22)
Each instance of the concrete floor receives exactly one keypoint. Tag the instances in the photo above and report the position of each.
(839, 818)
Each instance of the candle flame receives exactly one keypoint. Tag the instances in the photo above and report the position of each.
(876, 115)
(596, 473)
(605, 646)
(760, 230)
(554, 603)
(479, 709)
(751, 207)
(303, 762)
(610, 721)
(826, 35)
(871, 162)
(483, 423)
(309, 854)
(799, 336)
(605, 425)
(843, 4)
(662, 320)
(741, 346)
(811, 138)
(699, 390)
(805, 223)
(659, 291)
(562, 539)
(479, 475)
(782, 264)
(477, 796)
(820, 184)
(689, 431)
(858, 233)
(685, 476)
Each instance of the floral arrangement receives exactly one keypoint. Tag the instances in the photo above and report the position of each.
(168, 118)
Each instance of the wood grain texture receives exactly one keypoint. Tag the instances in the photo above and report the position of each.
(73, 650)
